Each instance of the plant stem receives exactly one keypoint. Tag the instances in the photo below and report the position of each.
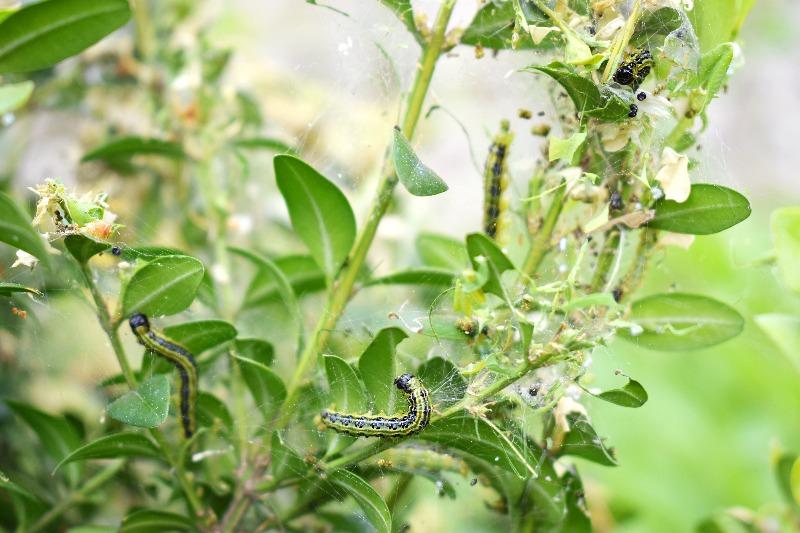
(677, 132)
(398, 489)
(541, 241)
(606, 259)
(342, 286)
(94, 483)
(621, 41)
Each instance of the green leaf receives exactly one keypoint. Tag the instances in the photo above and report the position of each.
(202, 335)
(112, 447)
(403, 11)
(583, 92)
(679, 321)
(265, 143)
(479, 245)
(211, 411)
(583, 441)
(375, 509)
(378, 369)
(418, 179)
(151, 520)
(493, 27)
(145, 407)
(320, 213)
(564, 149)
(712, 72)
(7, 289)
(442, 252)
(662, 21)
(477, 438)
(14, 95)
(783, 472)
(443, 380)
(16, 229)
(43, 33)
(165, 286)
(784, 331)
(265, 386)
(631, 395)
(258, 350)
(785, 226)
(709, 209)
(57, 436)
(83, 248)
(301, 271)
(285, 461)
(417, 276)
(718, 21)
(127, 147)
(347, 395)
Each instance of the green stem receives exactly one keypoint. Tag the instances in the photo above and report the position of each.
(540, 244)
(606, 259)
(621, 42)
(677, 132)
(145, 34)
(342, 286)
(93, 484)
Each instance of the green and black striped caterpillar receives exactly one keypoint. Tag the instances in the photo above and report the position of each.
(413, 421)
(634, 69)
(496, 181)
(178, 356)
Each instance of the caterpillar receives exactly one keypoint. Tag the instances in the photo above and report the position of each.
(413, 421)
(496, 180)
(178, 356)
(634, 69)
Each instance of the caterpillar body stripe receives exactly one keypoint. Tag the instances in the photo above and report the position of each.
(413, 421)
(181, 358)
(496, 181)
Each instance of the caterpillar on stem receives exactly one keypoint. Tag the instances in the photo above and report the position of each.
(181, 358)
(496, 181)
(409, 423)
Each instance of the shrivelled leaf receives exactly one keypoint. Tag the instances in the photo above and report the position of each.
(477, 438)
(16, 229)
(145, 407)
(43, 33)
(127, 147)
(285, 461)
(417, 276)
(785, 226)
(320, 213)
(442, 252)
(57, 436)
(150, 520)
(582, 441)
(256, 349)
(479, 245)
(84, 248)
(346, 395)
(265, 386)
(7, 289)
(709, 209)
(377, 367)
(165, 286)
(14, 95)
(202, 335)
(679, 321)
(417, 178)
(443, 380)
(114, 446)
(630, 395)
(375, 509)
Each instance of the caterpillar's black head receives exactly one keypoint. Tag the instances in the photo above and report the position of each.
(139, 321)
(404, 382)
(624, 75)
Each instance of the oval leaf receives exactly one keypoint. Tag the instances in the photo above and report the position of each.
(347, 395)
(785, 226)
(145, 407)
(265, 386)
(375, 509)
(165, 286)
(127, 147)
(709, 209)
(16, 230)
(418, 179)
(493, 27)
(442, 252)
(479, 245)
(583, 441)
(320, 213)
(676, 322)
(631, 395)
(377, 367)
(43, 33)
(211, 411)
(7, 289)
(302, 272)
(150, 520)
(14, 95)
(202, 335)
(258, 350)
(114, 446)
(83, 248)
